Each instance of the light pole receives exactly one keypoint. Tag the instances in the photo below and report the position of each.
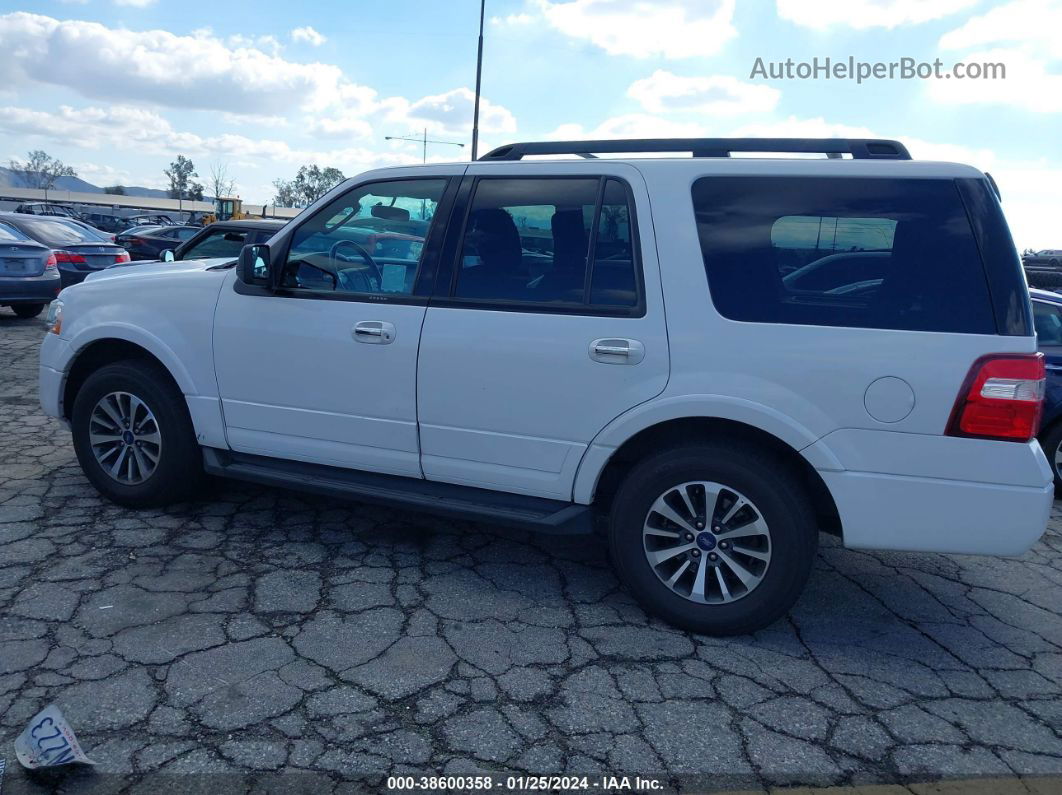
(479, 75)
(425, 140)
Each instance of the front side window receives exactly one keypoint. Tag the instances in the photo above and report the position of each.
(369, 240)
(549, 240)
(835, 251)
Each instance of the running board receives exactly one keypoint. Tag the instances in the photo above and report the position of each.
(416, 494)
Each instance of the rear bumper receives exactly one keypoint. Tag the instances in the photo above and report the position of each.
(29, 289)
(932, 515)
(937, 493)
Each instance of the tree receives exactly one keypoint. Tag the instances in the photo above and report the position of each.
(180, 175)
(309, 185)
(220, 183)
(115, 190)
(41, 170)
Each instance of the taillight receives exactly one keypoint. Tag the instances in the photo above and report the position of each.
(1002, 398)
(69, 257)
(122, 257)
(52, 263)
(135, 241)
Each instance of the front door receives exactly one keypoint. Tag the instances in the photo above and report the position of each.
(324, 368)
(549, 324)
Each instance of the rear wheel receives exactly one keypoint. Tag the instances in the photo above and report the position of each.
(27, 311)
(715, 538)
(133, 436)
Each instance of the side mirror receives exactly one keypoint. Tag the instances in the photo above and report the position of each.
(253, 265)
(167, 255)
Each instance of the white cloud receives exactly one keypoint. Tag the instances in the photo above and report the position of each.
(863, 14)
(449, 113)
(1023, 35)
(158, 67)
(124, 128)
(513, 19)
(134, 3)
(643, 28)
(308, 35)
(664, 92)
(1022, 22)
(1028, 85)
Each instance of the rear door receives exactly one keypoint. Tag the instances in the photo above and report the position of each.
(546, 323)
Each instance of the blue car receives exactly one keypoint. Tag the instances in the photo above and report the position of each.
(1047, 313)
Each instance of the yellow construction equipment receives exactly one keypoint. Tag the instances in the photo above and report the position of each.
(226, 208)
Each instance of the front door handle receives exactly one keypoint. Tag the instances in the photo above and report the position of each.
(617, 351)
(374, 332)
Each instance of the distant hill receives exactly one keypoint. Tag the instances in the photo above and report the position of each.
(8, 179)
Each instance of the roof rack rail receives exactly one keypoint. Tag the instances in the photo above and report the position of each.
(858, 148)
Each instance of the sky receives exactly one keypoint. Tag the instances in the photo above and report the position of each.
(118, 88)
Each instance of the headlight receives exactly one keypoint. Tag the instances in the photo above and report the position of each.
(55, 317)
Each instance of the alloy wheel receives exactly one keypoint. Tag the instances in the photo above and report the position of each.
(707, 542)
(125, 438)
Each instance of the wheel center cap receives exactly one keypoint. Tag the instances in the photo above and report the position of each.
(706, 541)
(128, 437)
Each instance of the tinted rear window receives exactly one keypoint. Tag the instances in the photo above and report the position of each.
(828, 251)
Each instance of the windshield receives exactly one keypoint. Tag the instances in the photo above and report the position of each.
(219, 243)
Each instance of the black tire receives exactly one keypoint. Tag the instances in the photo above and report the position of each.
(179, 471)
(768, 483)
(26, 311)
(1050, 441)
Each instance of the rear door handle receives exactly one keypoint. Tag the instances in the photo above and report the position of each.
(617, 351)
(374, 332)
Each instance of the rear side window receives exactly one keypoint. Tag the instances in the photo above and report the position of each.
(553, 240)
(829, 251)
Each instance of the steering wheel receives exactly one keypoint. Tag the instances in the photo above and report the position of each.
(374, 269)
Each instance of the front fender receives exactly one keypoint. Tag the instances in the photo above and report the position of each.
(138, 336)
(655, 412)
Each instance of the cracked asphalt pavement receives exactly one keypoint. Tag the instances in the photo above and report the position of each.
(262, 639)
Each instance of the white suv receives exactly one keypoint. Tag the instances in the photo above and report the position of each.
(719, 356)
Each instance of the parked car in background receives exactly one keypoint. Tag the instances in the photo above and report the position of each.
(120, 221)
(225, 239)
(1043, 268)
(649, 369)
(29, 279)
(148, 242)
(78, 251)
(45, 208)
(1047, 316)
(1049, 256)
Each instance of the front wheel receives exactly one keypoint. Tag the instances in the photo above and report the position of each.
(714, 538)
(26, 311)
(133, 436)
